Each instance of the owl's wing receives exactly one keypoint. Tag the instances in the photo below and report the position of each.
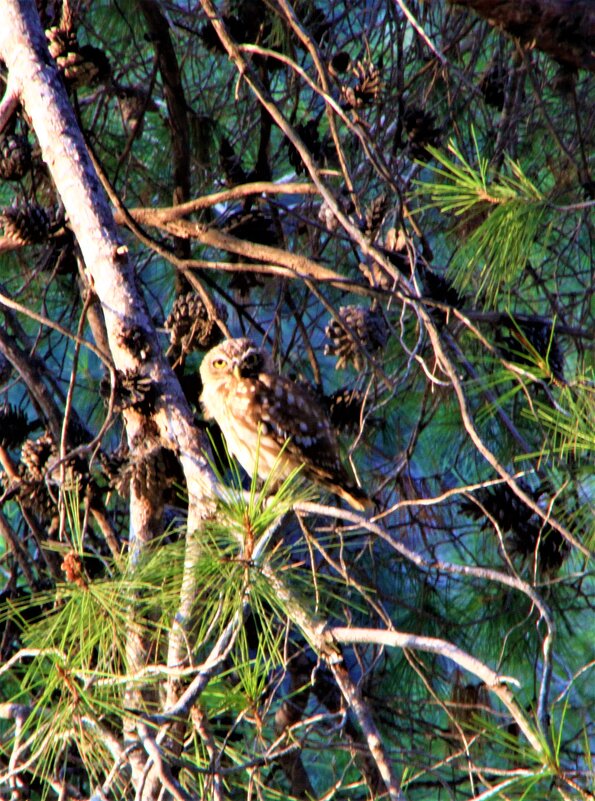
(288, 412)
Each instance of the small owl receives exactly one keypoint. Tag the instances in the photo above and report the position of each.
(248, 398)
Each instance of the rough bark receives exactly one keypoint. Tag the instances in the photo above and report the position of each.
(564, 29)
(35, 80)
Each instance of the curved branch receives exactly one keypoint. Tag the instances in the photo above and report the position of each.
(493, 681)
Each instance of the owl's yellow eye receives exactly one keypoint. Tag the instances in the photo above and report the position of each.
(218, 364)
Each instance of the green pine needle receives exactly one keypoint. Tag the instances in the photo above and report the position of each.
(496, 253)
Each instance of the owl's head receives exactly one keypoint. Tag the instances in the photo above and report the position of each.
(240, 358)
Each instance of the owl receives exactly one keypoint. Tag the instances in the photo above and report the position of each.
(260, 411)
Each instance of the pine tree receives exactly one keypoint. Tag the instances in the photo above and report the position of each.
(397, 203)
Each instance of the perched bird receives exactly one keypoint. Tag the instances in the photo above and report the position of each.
(259, 411)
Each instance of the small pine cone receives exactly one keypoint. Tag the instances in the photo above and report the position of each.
(87, 67)
(439, 288)
(28, 224)
(72, 567)
(345, 408)
(136, 341)
(553, 548)
(95, 67)
(375, 215)
(242, 281)
(308, 133)
(340, 62)
(367, 325)
(547, 345)
(421, 131)
(377, 276)
(34, 496)
(14, 427)
(80, 66)
(507, 509)
(70, 63)
(525, 529)
(493, 85)
(116, 468)
(132, 391)
(61, 42)
(35, 455)
(132, 102)
(530, 340)
(367, 87)
(327, 217)
(230, 163)
(468, 700)
(191, 327)
(253, 226)
(15, 157)
(316, 22)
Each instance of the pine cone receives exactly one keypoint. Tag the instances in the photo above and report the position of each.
(502, 504)
(254, 226)
(61, 43)
(377, 276)
(35, 455)
(468, 701)
(90, 68)
(375, 215)
(492, 86)
(132, 391)
(133, 103)
(340, 62)
(308, 133)
(367, 87)
(27, 224)
(439, 288)
(531, 339)
(15, 157)
(367, 325)
(420, 129)
(314, 19)
(553, 548)
(14, 427)
(34, 497)
(231, 164)
(116, 468)
(249, 24)
(190, 325)
(72, 567)
(524, 527)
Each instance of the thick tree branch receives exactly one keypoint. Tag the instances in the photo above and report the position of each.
(564, 29)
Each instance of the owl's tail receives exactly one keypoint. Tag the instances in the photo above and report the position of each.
(355, 497)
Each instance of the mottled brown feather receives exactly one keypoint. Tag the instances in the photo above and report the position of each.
(260, 410)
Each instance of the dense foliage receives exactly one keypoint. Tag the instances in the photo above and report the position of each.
(396, 200)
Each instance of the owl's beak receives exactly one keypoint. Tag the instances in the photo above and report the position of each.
(236, 369)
